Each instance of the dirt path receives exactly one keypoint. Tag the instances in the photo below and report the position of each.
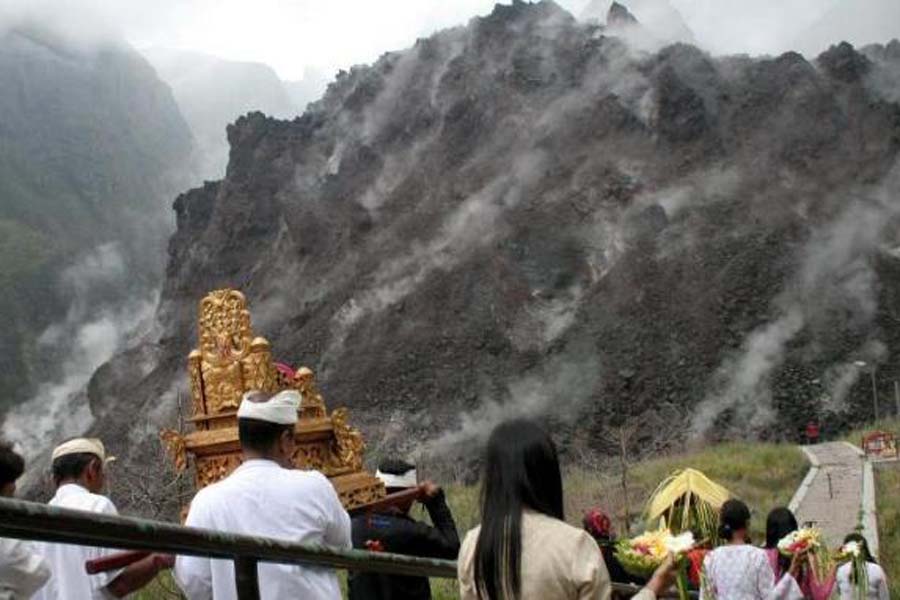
(835, 497)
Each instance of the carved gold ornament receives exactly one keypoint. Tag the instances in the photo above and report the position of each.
(230, 361)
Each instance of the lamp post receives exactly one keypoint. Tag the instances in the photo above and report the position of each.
(897, 396)
(862, 365)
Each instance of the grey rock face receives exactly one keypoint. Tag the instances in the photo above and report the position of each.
(519, 217)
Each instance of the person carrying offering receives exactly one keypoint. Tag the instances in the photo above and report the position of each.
(265, 497)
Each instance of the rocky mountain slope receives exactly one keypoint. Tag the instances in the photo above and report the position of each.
(523, 216)
(212, 92)
(92, 149)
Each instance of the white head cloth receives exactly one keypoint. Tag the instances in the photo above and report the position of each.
(281, 408)
(404, 480)
(82, 446)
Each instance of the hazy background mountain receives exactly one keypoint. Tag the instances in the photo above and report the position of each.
(212, 92)
(307, 89)
(92, 149)
(877, 21)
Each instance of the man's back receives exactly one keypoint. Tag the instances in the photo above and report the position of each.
(400, 534)
(68, 580)
(263, 499)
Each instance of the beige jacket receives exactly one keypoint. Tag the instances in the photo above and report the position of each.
(559, 562)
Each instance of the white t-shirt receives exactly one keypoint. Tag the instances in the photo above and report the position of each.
(742, 572)
(262, 498)
(878, 587)
(22, 570)
(68, 580)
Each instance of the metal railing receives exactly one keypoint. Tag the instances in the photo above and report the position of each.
(34, 521)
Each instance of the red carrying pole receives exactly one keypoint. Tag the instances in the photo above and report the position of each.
(113, 562)
(398, 499)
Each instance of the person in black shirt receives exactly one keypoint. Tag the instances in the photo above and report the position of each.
(394, 530)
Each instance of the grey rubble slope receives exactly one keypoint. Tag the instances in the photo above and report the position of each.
(91, 145)
(520, 210)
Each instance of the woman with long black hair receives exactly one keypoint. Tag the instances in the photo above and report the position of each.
(740, 571)
(523, 548)
(779, 523)
(876, 580)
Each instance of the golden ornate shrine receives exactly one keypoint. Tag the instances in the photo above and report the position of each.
(231, 361)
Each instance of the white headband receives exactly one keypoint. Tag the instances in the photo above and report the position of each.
(281, 408)
(82, 446)
(405, 480)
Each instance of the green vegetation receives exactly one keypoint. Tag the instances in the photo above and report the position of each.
(887, 484)
(162, 588)
(22, 251)
(890, 424)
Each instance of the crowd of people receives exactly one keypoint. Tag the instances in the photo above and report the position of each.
(523, 548)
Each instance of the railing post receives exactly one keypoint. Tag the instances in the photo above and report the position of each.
(246, 578)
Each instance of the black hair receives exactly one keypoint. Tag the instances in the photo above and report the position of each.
(71, 466)
(395, 466)
(521, 471)
(864, 544)
(733, 517)
(12, 465)
(260, 436)
(779, 523)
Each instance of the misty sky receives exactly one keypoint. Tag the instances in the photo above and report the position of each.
(325, 35)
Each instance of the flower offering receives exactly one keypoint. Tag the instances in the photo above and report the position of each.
(800, 542)
(640, 556)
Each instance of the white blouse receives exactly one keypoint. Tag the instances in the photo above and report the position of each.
(878, 587)
(743, 572)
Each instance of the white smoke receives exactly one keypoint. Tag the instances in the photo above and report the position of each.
(58, 409)
(87, 337)
(560, 388)
(747, 377)
(476, 222)
(542, 320)
(835, 277)
(660, 23)
(697, 189)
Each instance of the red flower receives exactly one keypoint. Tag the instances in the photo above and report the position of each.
(598, 524)
(695, 566)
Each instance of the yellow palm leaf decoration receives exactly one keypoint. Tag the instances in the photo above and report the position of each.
(688, 500)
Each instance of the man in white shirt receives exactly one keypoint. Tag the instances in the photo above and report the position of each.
(78, 472)
(22, 570)
(266, 497)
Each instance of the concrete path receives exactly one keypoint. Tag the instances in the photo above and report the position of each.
(833, 496)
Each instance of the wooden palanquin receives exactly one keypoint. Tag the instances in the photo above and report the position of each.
(231, 361)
